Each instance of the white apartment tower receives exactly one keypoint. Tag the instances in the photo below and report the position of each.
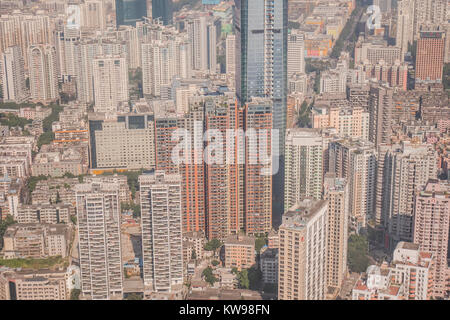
(43, 73)
(407, 169)
(65, 40)
(161, 231)
(302, 256)
(202, 33)
(12, 75)
(230, 46)
(93, 15)
(98, 216)
(405, 23)
(296, 53)
(303, 165)
(336, 192)
(356, 161)
(110, 75)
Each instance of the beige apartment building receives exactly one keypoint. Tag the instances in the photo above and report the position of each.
(336, 192)
(33, 285)
(36, 241)
(239, 252)
(303, 252)
(125, 141)
(303, 165)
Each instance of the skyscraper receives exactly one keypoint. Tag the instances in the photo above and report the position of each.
(261, 55)
(98, 216)
(432, 218)
(12, 75)
(162, 9)
(43, 73)
(128, 12)
(161, 231)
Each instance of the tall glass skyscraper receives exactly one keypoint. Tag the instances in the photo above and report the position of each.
(261, 55)
(162, 9)
(261, 69)
(130, 11)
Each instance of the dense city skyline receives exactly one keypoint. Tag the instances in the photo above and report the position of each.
(224, 150)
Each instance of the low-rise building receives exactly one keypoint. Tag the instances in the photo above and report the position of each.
(33, 285)
(269, 265)
(35, 241)
(409, 277)
(44, 213)
(239, 252)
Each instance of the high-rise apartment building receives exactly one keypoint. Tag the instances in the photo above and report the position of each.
(93, 15)
(429, 12)
(25, 30)
(161, 61)
(98, 217)
(65, 39)
(302, 256)
(430, 57)
(407, 169)
(296, 52)
(431, 225)
(230, 52)
(43, 73)
(405, 23)
(192, 168)
(12, 75)
(126, 141)
(355, 160)
(258, 166)
(110, 78)
(336, 192)
(380, 114)
(203, 32)
(161, 231)
(225, 181)
(303, 165)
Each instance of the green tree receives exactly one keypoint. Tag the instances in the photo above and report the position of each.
(134, 296)
(4, 224)
(208, 275)
(75, 294)
(244, 282)
(215, 263)
(358, 248)
(254, 278)
(213, 245)
(194, 255)
(260, 242)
